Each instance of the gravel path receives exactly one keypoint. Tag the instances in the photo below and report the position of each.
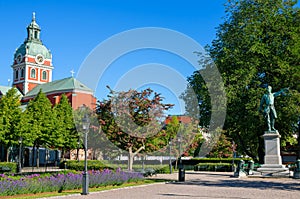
(205, 185)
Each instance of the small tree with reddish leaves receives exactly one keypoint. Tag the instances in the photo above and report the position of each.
(133, 121)
(222, 149)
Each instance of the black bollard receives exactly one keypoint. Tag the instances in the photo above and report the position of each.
(181, 175)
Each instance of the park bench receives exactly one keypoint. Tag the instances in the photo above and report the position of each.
(148, 172)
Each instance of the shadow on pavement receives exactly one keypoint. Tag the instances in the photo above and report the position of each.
(257, 184)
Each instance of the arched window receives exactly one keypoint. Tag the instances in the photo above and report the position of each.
(44, 75)
(32, 73)
(22, 72)
(35, 34)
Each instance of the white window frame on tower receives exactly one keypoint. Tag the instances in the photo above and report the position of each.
(44, 75)
(33, 73)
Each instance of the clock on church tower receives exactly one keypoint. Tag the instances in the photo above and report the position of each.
(32, 63)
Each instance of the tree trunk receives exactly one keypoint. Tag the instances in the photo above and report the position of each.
(7, 154)
(131, 156)
(176, 163)
(32, 158)
(130, 159)
(298, 139)
(63, 154)
(77, 154)
(94, 154)
(38, 156)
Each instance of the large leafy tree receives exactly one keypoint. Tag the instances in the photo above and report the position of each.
(40, 121)
(10, 116)
(257, 45)
(65, 133)
(130, 119)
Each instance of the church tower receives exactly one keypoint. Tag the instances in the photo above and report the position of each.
(32, 63)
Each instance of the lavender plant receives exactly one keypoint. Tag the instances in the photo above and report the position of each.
(36, 183)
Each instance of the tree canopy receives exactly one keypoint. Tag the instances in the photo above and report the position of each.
(10, 116)
(67, 136)
(258, 44)
(132, 120)
(40, 125)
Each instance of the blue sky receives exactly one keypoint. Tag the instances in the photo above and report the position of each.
(72, 29)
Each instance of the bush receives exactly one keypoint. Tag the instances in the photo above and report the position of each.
(165, 169)
(213, 167)
(79, 166)
(195, 161)
(8, 167)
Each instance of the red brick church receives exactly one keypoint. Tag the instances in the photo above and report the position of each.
(32, 72)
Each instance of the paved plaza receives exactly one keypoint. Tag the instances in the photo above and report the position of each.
(204, 185)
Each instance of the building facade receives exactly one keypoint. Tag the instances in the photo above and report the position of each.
(32, 72)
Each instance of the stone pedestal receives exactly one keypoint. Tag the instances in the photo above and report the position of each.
(273, 163)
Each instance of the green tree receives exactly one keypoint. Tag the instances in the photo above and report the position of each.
(10, 116)
(97, 141)
(257, 45)
(65, 135)
(185, 138)
(130, 118)
(222, 149)
(40, 123)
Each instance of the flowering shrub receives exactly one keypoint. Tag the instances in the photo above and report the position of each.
(36, 183)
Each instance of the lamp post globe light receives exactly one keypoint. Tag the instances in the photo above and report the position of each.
(85, 177)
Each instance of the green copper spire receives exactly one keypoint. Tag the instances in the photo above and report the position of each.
(33, 44)
(33, 30)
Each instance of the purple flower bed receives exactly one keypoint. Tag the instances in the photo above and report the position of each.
(36, 183)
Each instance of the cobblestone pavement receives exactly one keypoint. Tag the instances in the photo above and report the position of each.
(205, 185)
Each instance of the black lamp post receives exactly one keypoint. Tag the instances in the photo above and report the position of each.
(85, 177)
(181, 172)
(170, 159)
(20, 154)
(179, 141)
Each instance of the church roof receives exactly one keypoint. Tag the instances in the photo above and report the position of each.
(33, 48)
(4, 89)
(63, 85)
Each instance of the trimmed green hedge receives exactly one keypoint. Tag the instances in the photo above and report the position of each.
(165, 169)
(8, 167)
(213, 167)
(194, 161)
(215, 160)
(79, 166)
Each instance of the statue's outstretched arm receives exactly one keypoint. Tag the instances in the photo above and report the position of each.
(281, 92)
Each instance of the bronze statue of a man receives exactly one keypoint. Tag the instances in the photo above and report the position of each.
(268, 108)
